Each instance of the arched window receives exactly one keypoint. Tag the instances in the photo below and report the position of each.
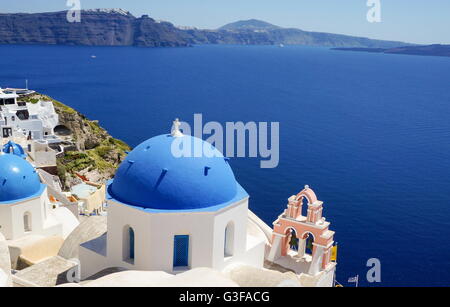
(128, 244)
(27, 222)
(309, 247)
(292, 239)
(229, 240)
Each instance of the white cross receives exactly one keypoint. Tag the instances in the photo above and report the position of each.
(176, 129)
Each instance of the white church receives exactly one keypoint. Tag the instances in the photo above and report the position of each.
(175, 214)
(28, 219)
(24, 204)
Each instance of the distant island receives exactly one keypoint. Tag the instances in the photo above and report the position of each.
(252, 25)
(117, 27)
(429, 50)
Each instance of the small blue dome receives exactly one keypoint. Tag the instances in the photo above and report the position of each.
(153, 177)
(15, 149)
(18, 178)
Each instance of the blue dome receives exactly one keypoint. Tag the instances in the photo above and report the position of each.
(152, 177)
(14, 149)
(18, 178)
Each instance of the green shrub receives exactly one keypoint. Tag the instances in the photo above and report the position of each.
(102, 151)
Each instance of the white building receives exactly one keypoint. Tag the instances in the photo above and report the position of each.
(20, 119)
(27, 217)
(41, 154)
(174, 214)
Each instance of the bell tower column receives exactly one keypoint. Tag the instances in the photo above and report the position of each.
(301, 247)
(277, 247)
(316, 263)
(326, 258)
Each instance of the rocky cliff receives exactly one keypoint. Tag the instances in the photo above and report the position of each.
(120, 28)
(97, 28)
(89, 149)
(255, 31)
(285, 37)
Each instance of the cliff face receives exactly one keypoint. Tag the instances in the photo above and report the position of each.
(148, 33)
(120, 28)
(260, 32)
(90, 150)
(284, 36)
(97, 28)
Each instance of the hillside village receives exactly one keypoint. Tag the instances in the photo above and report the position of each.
(62, 143)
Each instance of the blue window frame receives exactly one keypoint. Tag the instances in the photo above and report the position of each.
(181, 251)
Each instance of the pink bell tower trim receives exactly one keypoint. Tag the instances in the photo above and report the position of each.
(294, 235)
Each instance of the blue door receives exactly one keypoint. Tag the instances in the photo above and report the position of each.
(181, 251)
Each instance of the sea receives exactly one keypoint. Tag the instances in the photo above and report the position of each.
(370, 133)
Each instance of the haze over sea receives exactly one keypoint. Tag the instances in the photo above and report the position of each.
(370, 133)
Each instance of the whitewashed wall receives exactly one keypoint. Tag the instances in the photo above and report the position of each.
(42, 221)
(154, 239)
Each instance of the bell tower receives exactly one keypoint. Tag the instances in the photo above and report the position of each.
(294, 235)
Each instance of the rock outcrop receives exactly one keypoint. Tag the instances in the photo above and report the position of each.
(89, 150)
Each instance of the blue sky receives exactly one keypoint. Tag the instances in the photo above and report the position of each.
(417, 21)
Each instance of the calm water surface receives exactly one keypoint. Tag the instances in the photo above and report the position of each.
(369, 132)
